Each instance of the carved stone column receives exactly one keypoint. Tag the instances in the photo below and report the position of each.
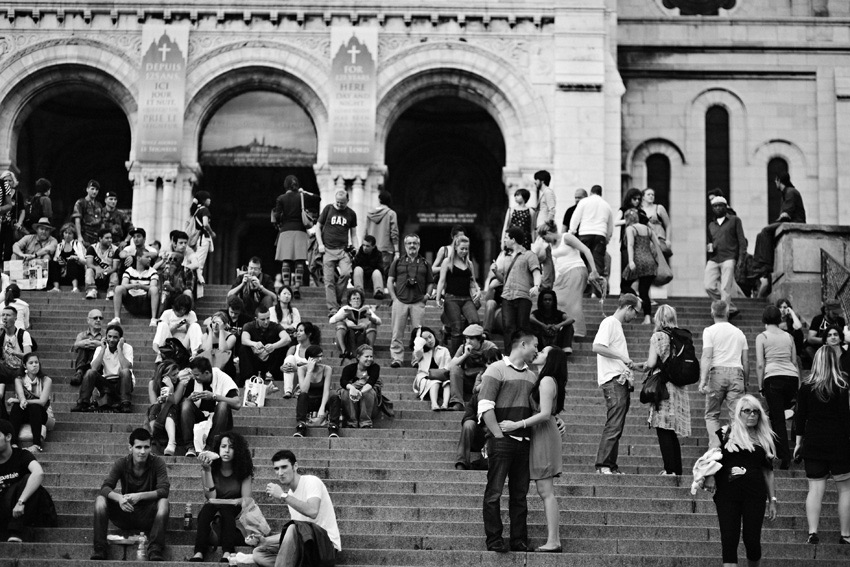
(152, 206)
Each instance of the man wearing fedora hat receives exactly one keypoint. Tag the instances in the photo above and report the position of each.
(38, 245)
(469, 361)
(87, 214)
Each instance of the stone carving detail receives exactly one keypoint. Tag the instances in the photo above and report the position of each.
(699, 7)
(516, 50)
(201, 43)
(17, 45)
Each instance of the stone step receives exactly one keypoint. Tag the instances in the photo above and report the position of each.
(429, 550)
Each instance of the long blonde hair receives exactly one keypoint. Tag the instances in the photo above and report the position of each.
(458, 240)
(665, 318)
(739, 438)
(826, 377)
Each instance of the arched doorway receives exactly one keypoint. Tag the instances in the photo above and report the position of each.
(445, 157)
(248, 147)
(70, 138)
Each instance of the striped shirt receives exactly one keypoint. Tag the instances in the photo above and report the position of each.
(507, 388)
(133, 277)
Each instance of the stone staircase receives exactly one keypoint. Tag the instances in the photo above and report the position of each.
(399, 501)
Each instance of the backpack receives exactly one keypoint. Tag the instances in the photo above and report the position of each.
(682, 366)
(20, 336)
(33, 211)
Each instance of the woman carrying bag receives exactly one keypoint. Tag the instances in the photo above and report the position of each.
(226, 474)
(672, 416)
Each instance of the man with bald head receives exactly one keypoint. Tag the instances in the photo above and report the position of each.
(85, 344)
(336, 225)
(579, 195)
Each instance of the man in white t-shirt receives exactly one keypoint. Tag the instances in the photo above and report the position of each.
(111, 373)
(211, 394)
(723, 369)
(613, 373)
(312, 514)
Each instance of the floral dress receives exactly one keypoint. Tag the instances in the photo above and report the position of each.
(521, 218)
(673, 413)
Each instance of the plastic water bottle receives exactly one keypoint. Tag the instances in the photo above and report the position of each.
(187, 517)
(142, 552)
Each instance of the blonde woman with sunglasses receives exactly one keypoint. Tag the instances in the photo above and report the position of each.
(745, 482)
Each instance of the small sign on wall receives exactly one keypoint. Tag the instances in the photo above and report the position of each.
(162, 92)
(447, 218)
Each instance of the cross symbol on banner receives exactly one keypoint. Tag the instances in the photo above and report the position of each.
(164, 50)
(354, 52)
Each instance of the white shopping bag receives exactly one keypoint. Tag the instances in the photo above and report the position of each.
(201, 432)
(255, 393)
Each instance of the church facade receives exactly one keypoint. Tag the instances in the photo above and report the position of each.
(450, 107)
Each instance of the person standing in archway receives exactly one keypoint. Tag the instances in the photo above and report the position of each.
(87, 214)
(545, 198)
(382, 223)
(8, 196)
(292, 238)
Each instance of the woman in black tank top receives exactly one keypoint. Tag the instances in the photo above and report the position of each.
(462, 293)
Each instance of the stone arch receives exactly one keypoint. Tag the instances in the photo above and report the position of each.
(224, 73)
(738, 125)
(797, 167)
(636, 166)
(83, 64)
(789, 151)
(459, 69)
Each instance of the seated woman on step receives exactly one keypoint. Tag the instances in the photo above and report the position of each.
(356, 323)
(432, 368)
(227, 472)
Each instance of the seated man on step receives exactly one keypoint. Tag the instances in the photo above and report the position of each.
(142, 503)
(312, 518)
(111, 373)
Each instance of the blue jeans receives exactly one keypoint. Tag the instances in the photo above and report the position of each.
(724, 383)
(507, 458)
(617, 401)
(516, 314)
(456, 309)
(335, 285)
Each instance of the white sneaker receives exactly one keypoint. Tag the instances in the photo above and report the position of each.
(169, 449)
(115, 321)
(604, 470)
(91, 294)
(110, 294)
(153, 322)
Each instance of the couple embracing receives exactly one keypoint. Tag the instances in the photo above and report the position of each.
(520, 412)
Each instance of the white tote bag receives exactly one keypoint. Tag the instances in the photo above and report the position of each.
(255, 393)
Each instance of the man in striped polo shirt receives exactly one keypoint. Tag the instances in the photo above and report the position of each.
(505, 388)
(139, 286)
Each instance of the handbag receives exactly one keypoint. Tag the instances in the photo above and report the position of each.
(663, 274)
(654, 389)
(307, 218)
(251, 521)
(255, 392)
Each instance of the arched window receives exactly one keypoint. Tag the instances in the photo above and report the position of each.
(658, 177)
(775, 166)
(716, 151)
